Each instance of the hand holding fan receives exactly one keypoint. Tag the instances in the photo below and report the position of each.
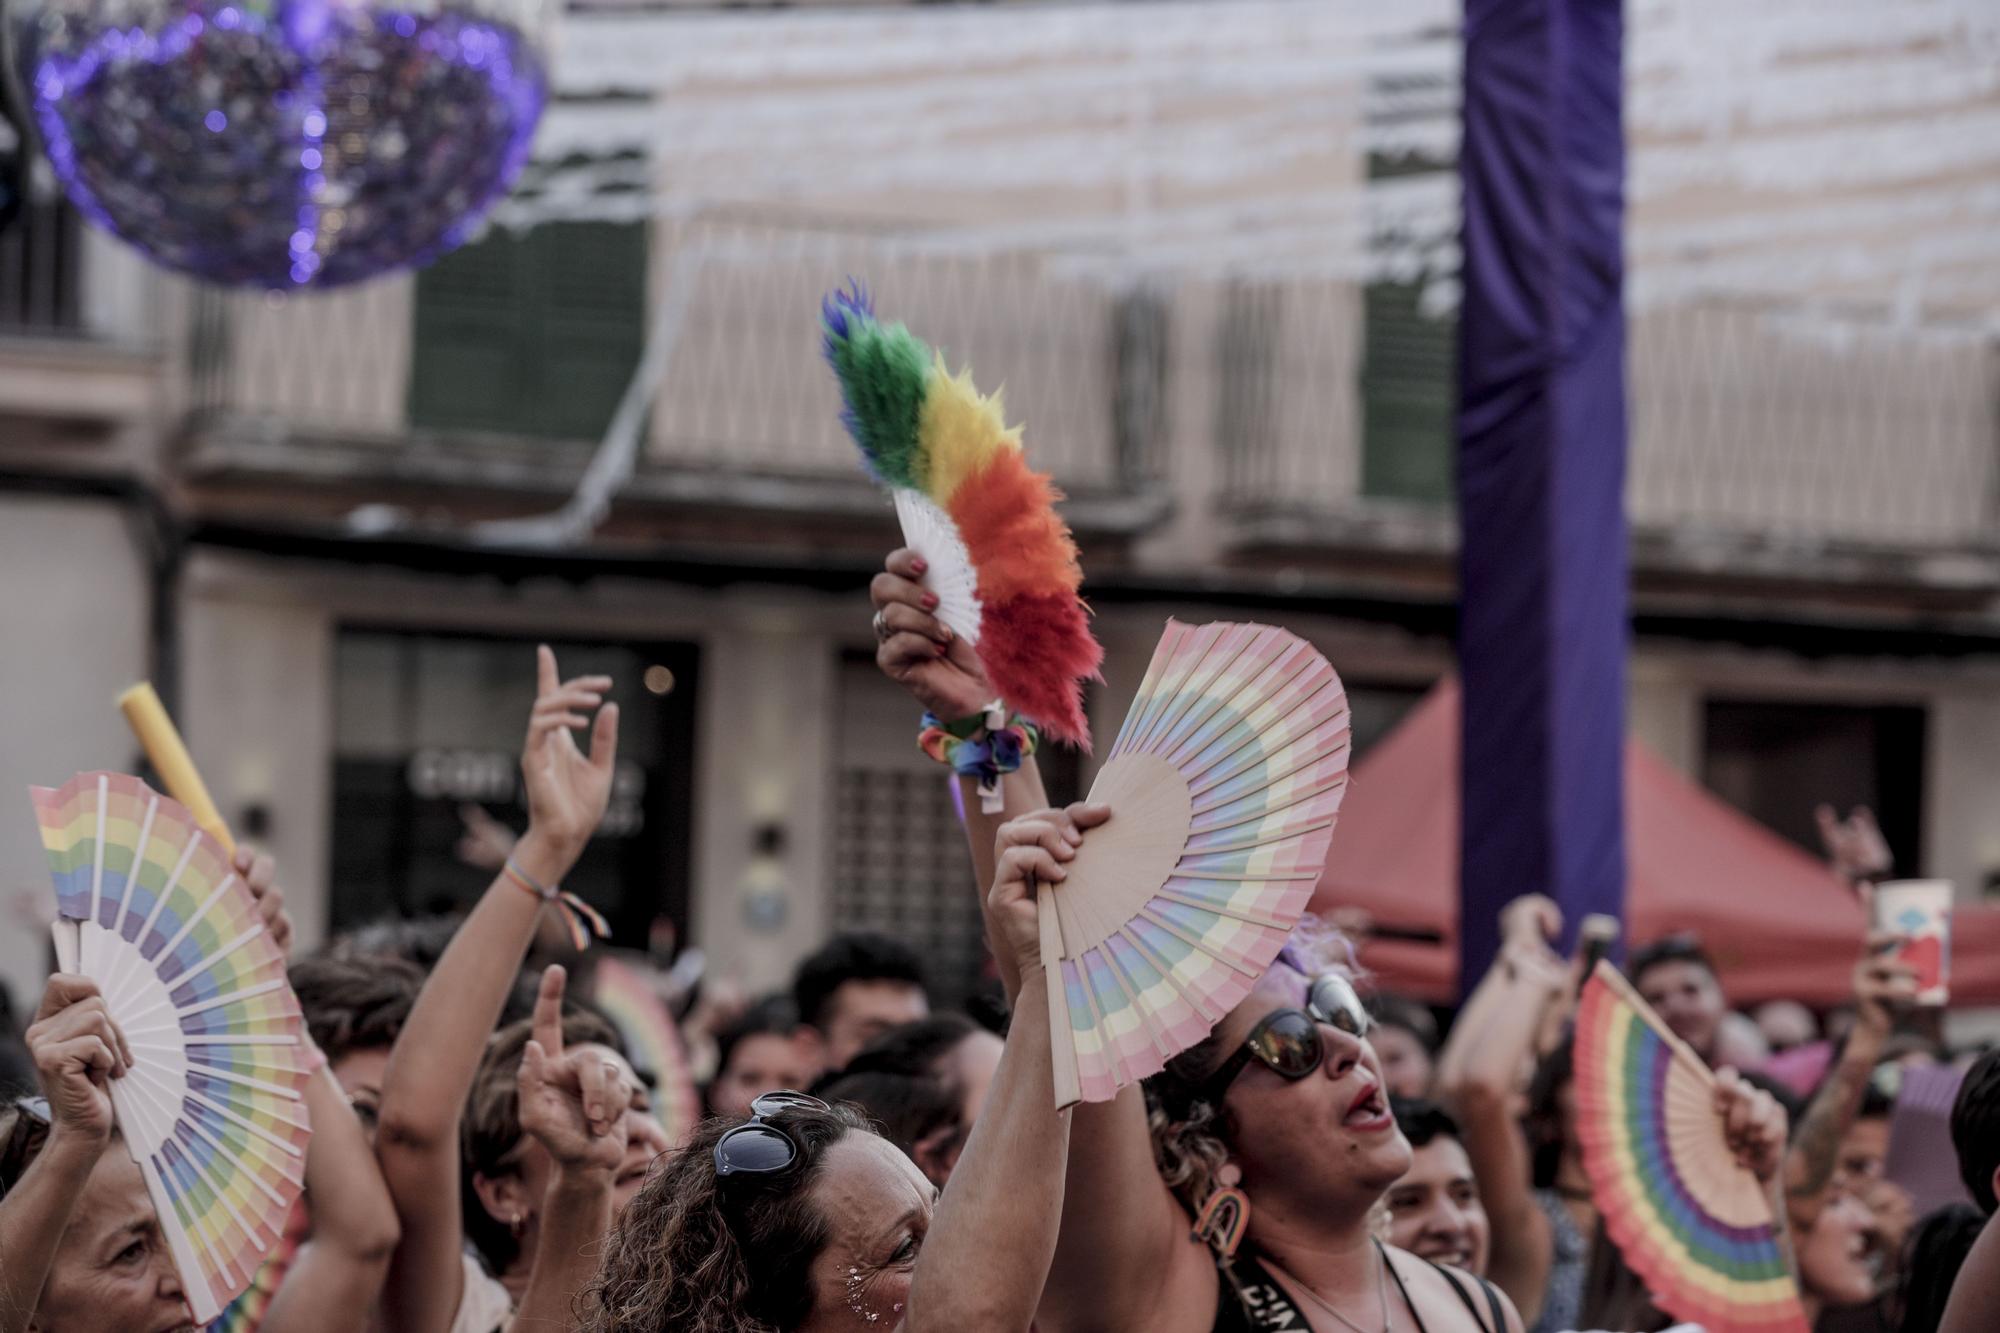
(212, 1107)
(1696, 1226)
(1223, 786)
(1001, 561)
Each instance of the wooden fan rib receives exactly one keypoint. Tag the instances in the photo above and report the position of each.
(1162, 653)
(1189, 695)
(1301, 798)
(1245, 877)
(1252, 844)
(1317, 747)
(1124, 1073)
(1196, 943)
(1062, 1040)
(1300, 658)
(1195, 999)
(1242, 914)
(1255, 737)
(1173, 682)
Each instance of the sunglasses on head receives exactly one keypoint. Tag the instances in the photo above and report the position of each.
(1288, 1040)
(757, 1147)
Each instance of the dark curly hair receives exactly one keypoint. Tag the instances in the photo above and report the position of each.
(353, 1003)
(856, 955)
(699, 1254)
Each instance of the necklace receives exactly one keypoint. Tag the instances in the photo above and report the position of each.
(1381, 1290)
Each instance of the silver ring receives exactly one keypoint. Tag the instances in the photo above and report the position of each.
(882, 630)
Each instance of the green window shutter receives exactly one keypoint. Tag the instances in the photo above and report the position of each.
(1407, 389)
(534, 333)
(594, 325)
(470, 366)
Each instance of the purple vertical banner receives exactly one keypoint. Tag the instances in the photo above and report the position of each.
(1541, 465)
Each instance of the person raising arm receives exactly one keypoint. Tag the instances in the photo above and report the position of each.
(435, 1059)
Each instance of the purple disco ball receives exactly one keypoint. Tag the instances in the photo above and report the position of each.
(306, 143)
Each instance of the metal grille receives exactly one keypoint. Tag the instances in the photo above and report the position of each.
(901, 868)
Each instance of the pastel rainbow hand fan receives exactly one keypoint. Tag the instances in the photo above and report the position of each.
(1001, 560)
(1696, 1226)
(1223, 787)
(212, 1108)
(653, 1041)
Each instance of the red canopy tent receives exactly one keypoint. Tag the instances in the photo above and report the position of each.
(1776, 920)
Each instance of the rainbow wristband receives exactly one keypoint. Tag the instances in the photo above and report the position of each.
(985, 745)
(573, 910)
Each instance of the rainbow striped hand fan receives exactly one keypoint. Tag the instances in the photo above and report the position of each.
(1696, 1226)
(212, 1108)
(653, 1040)
(1223, 786)
(1001, 560)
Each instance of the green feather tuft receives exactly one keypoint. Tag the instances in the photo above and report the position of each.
(882, 370)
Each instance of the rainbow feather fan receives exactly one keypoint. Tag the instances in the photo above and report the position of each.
(653, 1041)
(1223, 787)
(1002, 561)
(1696, 1226)
(212, 1108)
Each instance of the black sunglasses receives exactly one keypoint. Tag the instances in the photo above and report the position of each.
(758, 1148)
(1288, 1040)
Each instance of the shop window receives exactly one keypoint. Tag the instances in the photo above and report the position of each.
(1408, 379)
(427, 725)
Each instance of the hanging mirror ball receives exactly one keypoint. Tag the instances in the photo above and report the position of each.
(300, 144)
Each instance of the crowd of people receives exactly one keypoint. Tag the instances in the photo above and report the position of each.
(485, 1155)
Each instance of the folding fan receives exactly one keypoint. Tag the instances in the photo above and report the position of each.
(653, 1041)
(1001, 560)
(1223, 786)
(1696, 1226)
(212, 1106)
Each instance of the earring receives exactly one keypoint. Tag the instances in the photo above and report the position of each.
(517, 1224)
(1225, 1214)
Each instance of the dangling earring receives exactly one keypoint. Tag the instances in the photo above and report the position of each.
(1225, 1214)
(517, 1224)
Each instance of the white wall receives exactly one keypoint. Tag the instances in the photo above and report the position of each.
(73, 612)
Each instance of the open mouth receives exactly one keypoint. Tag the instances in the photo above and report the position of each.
(1455, 1253)
(632, 1172)
(1369, 1111)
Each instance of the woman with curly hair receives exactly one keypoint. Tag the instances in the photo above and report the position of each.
(802, 1219)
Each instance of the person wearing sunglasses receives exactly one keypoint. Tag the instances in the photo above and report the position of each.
(803, 1219)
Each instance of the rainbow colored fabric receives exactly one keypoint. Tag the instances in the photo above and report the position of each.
(653, 1042)
(922, 428)
(1728, 1276)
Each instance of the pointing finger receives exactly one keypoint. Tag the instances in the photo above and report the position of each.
(547, 1022)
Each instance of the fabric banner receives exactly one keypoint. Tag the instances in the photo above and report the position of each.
(1541, 464)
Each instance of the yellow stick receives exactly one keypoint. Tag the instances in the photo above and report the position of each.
(170, 759)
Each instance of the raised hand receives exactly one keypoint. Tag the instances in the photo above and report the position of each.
(1855, 845)
(77, 1051)
(1036, 847)
(1753, 1124)
(1884, 986)
(573, 1102)
(567, 791)
(917, 650)
(260, 875)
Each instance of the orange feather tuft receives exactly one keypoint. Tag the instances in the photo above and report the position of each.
(1019, 544)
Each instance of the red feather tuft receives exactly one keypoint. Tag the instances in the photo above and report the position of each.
(1038, 651)
(1007, 516)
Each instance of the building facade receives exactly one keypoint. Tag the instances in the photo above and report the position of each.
(1208, 249)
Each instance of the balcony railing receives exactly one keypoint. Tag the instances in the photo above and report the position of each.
(744, 392)
(1778, 424)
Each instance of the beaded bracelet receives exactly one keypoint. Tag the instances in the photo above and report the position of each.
(573, 910)
(984, 745)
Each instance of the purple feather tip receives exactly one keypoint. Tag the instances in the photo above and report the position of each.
(841, 308)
